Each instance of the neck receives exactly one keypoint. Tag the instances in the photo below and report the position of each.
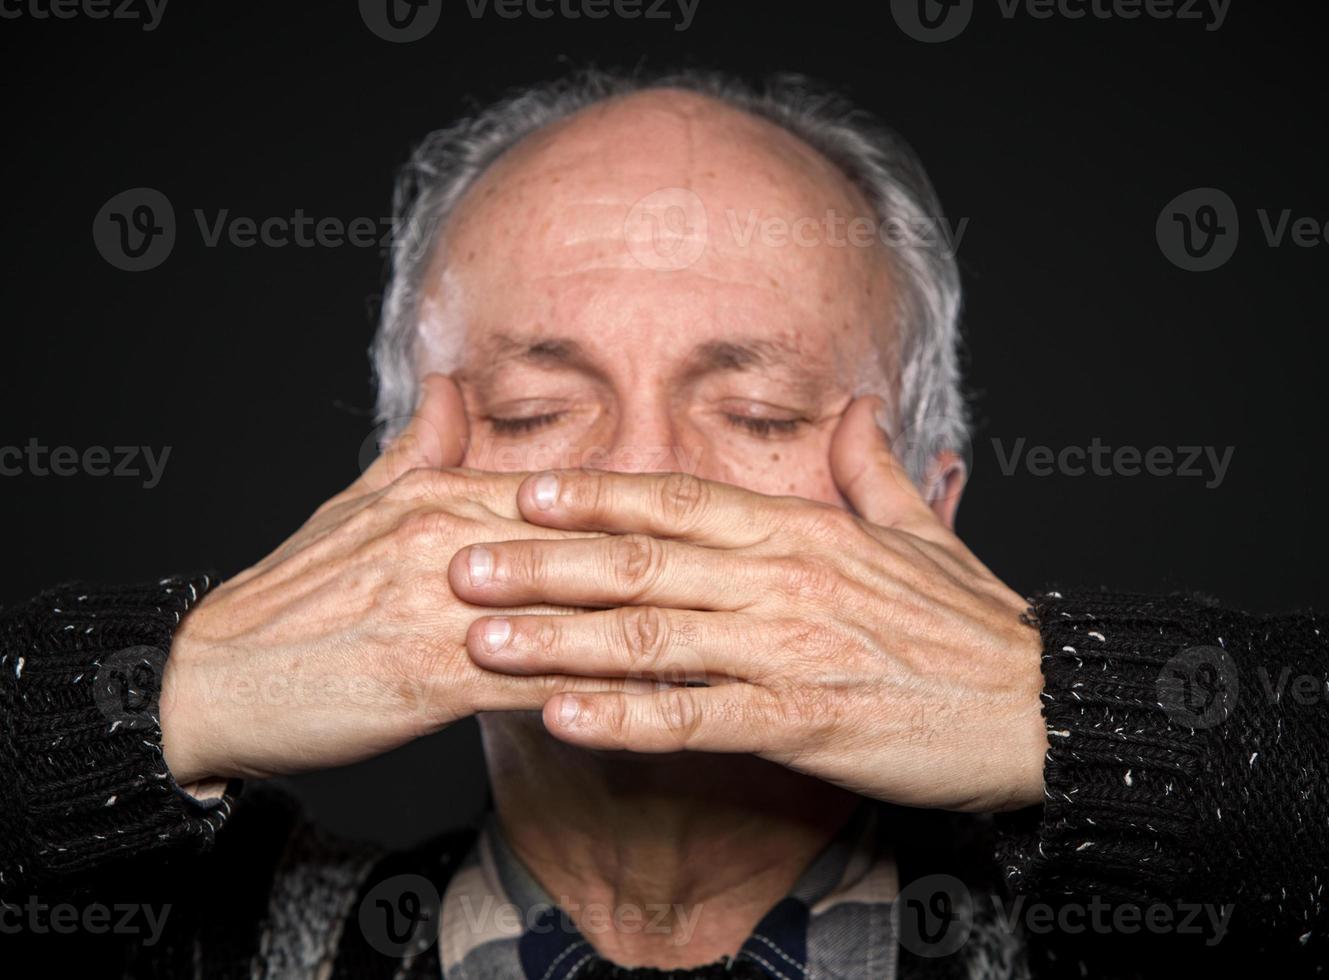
(665, 861)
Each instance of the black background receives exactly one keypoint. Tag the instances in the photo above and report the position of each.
(1059, 141)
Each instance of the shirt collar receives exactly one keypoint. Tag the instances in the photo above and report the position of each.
(497, 921)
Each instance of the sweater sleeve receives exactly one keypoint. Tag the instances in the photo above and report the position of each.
(83, 782)
(1186, 761)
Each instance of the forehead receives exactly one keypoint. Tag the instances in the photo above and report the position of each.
(665, 215)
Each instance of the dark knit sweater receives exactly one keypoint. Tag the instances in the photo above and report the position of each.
(1187, 766)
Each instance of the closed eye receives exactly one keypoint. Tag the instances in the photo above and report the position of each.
(523, 423)
(764, 427)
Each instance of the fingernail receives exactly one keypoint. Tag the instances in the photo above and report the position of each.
(496, 634)
(545, 491)
(480, 565)
(568, 711)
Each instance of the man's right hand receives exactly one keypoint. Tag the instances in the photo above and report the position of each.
(347, 641)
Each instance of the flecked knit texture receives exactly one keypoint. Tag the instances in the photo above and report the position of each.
(82, 776)
(1181, 763)
(1186, 763)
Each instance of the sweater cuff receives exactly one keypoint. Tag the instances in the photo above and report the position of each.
(1126, 740)
(80, 670)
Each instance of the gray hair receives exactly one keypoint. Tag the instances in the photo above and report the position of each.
(929, 409)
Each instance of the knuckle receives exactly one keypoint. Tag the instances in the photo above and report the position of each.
(682, 499)
(425, 526)
(806, 578)
(524, 563)
(813, 641)
(415, 483)
(636, 561)
(644, 634)
(586, 492)
(678, 713)
(542, 639)
(614, 719)
(831, 524)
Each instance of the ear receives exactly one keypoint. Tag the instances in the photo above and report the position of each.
(946, 477)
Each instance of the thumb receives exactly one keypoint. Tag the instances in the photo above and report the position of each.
(867, 472)
(435, 437)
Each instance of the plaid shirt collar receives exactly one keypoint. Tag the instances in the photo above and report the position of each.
(498, 922)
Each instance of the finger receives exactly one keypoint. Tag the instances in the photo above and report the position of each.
(870, 476)
(729, 718)
(663, 505)
(614, 570)
(665, 645)
(507, 692)
(435, 437)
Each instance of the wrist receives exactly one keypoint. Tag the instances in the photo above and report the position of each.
(179, 714)
(1028, 739)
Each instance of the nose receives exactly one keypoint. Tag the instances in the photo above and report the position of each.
(644, 441)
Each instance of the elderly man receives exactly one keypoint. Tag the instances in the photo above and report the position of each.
(717, 702)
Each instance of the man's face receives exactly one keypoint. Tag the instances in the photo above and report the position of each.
(581, 345)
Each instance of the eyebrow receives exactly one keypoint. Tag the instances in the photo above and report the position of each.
(708, 357)
(726, 355)
(553, 351)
